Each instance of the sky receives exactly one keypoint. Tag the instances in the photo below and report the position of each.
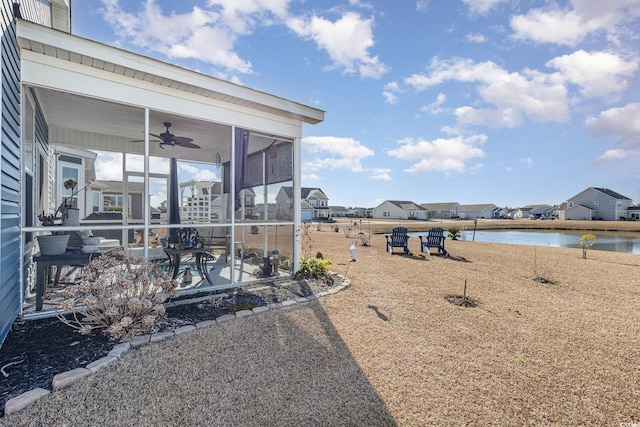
(510, 102)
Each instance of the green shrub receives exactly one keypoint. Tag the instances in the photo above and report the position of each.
(312, 268)
(454, 232)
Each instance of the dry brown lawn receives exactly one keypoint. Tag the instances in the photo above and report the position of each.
(530, 354)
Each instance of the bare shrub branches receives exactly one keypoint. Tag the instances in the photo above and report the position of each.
(119, 294)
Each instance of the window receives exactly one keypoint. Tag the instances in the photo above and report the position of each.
(115, 203)
(95, 201)
(596, 202)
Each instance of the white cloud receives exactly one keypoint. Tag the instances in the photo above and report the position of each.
(380, 174)
(108, 166)
(358, 3)
(623, 124)
(445, 155)
(509, 96)
(335, 153)
(507, 117)
(599, 74)
(435, 106)
(210, 33)
(191, 34)
(391, 92)
(615, 154)
(481, 6)
(527, 161)
(475, 38)
(571, 25)
(198, 173)
(422, 5)
(347, 41)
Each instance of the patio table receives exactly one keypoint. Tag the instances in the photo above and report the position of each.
(44, 262)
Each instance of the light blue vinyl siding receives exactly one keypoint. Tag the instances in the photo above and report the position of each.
(9, 173)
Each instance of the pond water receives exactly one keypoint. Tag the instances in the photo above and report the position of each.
(606, 240)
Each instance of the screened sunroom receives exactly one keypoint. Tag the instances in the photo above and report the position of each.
(120, 150)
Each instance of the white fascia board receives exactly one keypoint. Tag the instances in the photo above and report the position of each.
(57, 74)
(75, 153)
(101, 52)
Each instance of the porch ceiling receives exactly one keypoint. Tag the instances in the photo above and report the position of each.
(93, 123)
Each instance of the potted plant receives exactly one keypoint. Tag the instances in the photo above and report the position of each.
(56, 243)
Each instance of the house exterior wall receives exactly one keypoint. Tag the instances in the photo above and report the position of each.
(576, 212)
(607, 208)
(387, 210)
(10, 155)
(450, 211)
(485, 213)
(284, 206)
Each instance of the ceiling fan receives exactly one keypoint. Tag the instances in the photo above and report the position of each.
(168, 140)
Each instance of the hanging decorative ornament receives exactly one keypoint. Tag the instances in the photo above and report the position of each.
(217, 160)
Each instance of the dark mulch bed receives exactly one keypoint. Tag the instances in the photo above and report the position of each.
(36, 350)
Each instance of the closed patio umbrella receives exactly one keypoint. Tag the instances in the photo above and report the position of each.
(174, 200)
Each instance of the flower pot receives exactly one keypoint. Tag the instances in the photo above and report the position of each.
(72, 217)
(53, 244)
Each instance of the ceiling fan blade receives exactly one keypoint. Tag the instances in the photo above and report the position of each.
(181, 139)
(166, 145)
(187, 144)
(142, 140)
(156, 136)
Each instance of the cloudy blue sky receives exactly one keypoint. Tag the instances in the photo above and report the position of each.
(511, 102)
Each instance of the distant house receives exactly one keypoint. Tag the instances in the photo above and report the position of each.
(338, 211)
(354, 212)
(315, 204)
(109, 196)
(633, 213)
(479, 211)
(533, 211)
(442, 210)
(399, 209)
(596, 203)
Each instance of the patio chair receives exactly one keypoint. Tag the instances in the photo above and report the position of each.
(434, 239)
(398, 239)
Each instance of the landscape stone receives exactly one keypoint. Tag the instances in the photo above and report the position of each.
(260, 309)
(225, 318)
(65, 379)
(183, 329)
(159, 336)
(205, 324)
(15, 404)
(101, 363)
(120, 349)
(139, 340)
(244, 313)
